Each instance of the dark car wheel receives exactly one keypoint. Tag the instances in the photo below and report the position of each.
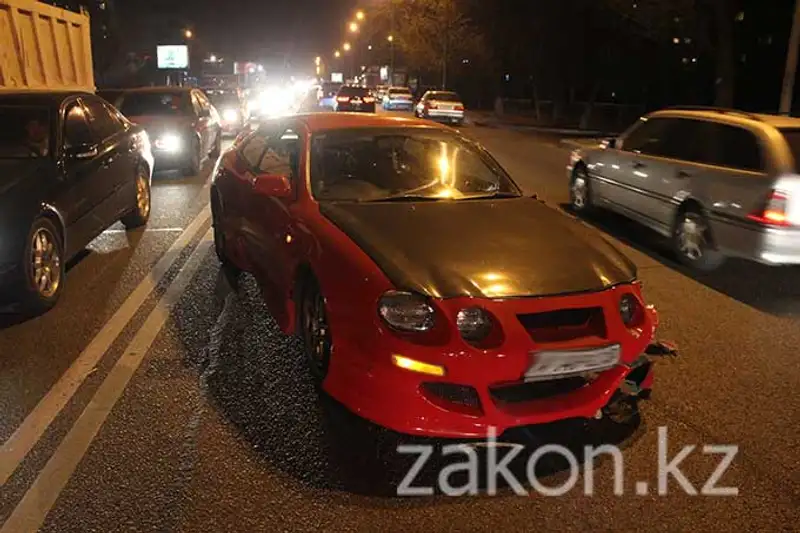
(217, 145)
(192, 167)
(220, 241)
(314, 330)
(580, 190)
(43, 265)
(693, 241)
(140, 214)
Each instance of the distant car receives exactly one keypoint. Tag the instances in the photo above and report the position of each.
(70, 166)
(183, 125)
(717, 182)
(355, 99)
(441, 106)
(327, 98)
(430, 295)
(380, 91)
(232, 109)
(398, 98)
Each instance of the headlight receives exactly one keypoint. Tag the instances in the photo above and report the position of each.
(405, 311)
(629, 309)
(230, 115)
(474, 324)
(169, 142)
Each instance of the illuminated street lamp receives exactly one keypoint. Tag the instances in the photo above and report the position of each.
(353, 27)
(346, 47)
(188, 34)
(213, 58)
(390, 38)
(360, 15)
(317, 60)
(337, 54)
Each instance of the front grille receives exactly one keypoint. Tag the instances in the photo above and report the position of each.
(453, 397)
(525, 392)
(565, 324)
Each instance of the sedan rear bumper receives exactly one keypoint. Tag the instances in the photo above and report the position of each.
(763, 244)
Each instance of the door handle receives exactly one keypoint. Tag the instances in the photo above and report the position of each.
(682, 175)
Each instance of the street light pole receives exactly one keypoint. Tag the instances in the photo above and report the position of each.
(791, 63)
(391, 43)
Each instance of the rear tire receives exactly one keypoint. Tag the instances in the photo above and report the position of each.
(140, 213)
(43, 267)
(693, 241)
(220, 241)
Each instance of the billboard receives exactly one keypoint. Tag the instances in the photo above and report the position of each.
(337, 77)
(173, 56)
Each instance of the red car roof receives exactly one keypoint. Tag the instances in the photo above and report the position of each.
(335, 121)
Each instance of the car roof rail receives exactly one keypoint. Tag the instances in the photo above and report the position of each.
(723, 110)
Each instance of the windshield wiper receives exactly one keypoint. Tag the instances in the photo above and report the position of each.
(409, 198)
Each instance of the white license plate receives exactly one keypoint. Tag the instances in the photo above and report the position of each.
(561, 364)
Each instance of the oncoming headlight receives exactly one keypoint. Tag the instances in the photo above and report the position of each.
(629, 309)
(230, 115)
(474, 324)
(405, 311)
(169, 142)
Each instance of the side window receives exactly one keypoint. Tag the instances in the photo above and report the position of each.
(102, 122)
(282, 155)
(648, 138)
(253, 150)
(685, 139)
(736, 147)
(76, 127)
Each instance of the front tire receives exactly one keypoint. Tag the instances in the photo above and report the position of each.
(314, 330)
(693, 241)
(580, 190)
(43, 266)
(140, 214)
(192, 167)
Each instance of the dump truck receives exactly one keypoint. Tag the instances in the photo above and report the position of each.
(44, 48)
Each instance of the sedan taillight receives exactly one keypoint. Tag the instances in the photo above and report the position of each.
(774, 211)
(343, 99)
(459, 107)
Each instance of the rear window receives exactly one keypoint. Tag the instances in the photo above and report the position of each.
(399, 91)
(445, 97)
(793, 139)
(153, 103)
(354, 91)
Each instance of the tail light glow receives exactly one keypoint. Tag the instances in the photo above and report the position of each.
(343, 99)
(774, 210)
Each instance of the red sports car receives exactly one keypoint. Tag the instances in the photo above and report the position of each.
(432, 296)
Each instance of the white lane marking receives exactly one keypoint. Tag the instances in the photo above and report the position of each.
(25, 437)
(32, 510)
(147, 230)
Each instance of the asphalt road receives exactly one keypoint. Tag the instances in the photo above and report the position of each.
(200, 416)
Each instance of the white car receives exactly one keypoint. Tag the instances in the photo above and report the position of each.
(441, 106)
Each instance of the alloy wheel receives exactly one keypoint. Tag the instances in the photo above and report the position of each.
(142, 196)
(45, 263)
(692, 236)
(316, 333)
(580, 192)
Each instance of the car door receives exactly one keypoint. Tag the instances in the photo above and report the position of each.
(87, 177)
(640, 164)
(270, 219)
(205, 122)
(117, 154)
(237, 189)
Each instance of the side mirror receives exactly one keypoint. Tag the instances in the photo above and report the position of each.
(82, 152)
(272, 186)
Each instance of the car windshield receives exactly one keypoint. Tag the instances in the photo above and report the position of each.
(147, 103)
(25, 132)
(793, 138)
(445, 97)
(353, 91)
(363, 165)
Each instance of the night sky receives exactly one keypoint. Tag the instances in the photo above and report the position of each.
(246, 29)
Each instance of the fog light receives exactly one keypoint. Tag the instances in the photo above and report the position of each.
(474, 324)
(412, 365)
